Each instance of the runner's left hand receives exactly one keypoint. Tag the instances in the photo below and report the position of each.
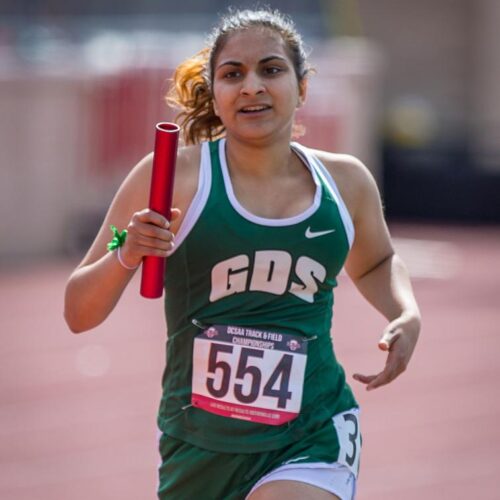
(399, 339)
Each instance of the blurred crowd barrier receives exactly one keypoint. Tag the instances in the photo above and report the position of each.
(67, 140)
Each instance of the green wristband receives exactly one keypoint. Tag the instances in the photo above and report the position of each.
(118, 238)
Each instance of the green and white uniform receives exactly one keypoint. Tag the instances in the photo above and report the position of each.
(250, 299)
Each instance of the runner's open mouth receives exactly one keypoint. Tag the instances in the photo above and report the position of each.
(255, 109)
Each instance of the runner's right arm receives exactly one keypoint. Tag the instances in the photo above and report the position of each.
(96, 285)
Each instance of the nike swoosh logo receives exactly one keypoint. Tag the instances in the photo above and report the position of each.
(315, 234)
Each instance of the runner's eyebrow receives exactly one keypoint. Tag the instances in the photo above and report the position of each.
(262, 61)
(270, 58)
(230, 63)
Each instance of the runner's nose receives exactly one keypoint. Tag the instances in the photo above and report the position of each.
(252, 84)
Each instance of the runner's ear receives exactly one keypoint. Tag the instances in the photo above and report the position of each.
(214, 106)
(302, 92)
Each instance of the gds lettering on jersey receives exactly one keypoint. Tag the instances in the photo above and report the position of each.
(270, 273)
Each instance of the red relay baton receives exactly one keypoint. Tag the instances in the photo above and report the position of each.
(160, 200)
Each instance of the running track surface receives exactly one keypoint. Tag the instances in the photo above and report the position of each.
(77, 412)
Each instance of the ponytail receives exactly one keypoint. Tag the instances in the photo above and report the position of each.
(190, 92)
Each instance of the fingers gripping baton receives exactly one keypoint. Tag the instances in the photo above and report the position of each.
(160, 200)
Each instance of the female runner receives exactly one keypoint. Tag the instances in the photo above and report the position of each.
(255, 404)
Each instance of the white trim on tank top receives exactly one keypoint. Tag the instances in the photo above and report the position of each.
(329, 182)
(199, 199)
(205, 181)
(264, 221)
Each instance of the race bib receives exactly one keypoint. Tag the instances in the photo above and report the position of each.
(349, 436)
(249, 374)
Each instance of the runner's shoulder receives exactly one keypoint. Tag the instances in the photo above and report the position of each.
(353, 179)
(188, 158)
(344, 167)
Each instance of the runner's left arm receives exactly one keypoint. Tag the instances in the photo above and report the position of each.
(383, 279)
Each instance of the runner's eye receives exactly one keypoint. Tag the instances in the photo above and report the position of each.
(273, 70)
(228, 75)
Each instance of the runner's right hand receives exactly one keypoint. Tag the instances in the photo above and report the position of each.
(148, 234)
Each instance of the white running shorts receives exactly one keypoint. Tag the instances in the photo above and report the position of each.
(335, 478)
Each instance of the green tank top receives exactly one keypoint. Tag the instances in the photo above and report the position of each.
(264, 288)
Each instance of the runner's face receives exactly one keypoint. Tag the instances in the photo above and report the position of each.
(256, 92)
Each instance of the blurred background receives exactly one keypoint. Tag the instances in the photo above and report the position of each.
(411, 88)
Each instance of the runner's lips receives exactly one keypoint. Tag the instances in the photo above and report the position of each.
(256, 108)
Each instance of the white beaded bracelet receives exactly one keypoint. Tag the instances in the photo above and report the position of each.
(120, 260)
